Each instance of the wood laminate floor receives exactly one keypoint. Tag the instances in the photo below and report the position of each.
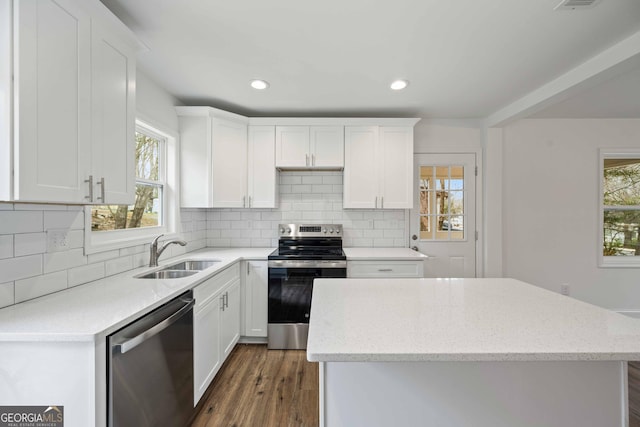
(260, 387)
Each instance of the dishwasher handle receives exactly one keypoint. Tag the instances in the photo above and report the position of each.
(156, 329)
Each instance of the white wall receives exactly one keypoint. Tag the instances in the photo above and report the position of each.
(550, 207)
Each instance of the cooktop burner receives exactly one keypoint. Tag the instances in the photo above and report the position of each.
(309, 242)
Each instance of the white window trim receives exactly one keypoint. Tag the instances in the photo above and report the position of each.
(119, 239)
(612, 261)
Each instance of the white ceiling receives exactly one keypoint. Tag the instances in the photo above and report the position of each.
(464, 58)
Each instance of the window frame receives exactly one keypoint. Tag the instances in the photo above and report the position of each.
(170, 216)
(613, 261)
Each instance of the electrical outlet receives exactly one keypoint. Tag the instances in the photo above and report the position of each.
(565, 289)
(57, 240)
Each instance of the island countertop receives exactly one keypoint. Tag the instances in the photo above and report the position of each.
(404, 320)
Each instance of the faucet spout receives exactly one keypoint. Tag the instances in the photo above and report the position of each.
(155, 252)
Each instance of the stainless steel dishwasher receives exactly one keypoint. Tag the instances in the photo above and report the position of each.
(150, 368)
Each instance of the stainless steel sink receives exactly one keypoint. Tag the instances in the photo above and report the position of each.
(167, 274)
(193, 264)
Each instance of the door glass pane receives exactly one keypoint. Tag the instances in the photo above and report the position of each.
(621, 230)
(442, 215)
(147, 157)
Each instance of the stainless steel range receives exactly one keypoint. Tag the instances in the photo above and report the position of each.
(305, 252)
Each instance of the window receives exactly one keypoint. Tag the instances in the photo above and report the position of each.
(442, 203)
(152, 213)
(620, 208)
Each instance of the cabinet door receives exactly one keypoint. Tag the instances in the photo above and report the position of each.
(327, 146)
(230, 331)
(113, 117)
(195, 162)
(292, 146)
(256, 301)
(53, 129)
(360, 167)
(262, 167)
(229, 151)
(396, 167)
(206, 346)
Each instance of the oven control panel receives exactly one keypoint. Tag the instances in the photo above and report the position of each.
(310, 230)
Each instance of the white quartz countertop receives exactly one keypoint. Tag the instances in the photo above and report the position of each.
(96, 309)
(378, 254)
(461, 320)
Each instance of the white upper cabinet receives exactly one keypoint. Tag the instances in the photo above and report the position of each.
(262, 174)
(72, 96)
(223, 163)
(319, 147)
(113, 72)
(378, 170)
(229, 152)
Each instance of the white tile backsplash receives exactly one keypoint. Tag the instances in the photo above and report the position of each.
(311, 197)
(28, 268)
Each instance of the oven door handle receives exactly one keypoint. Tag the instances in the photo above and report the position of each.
(307, 264)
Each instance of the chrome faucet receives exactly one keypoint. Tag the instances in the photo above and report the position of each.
(155, 252)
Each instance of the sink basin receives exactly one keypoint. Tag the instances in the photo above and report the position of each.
(193, 264)
(167, 274)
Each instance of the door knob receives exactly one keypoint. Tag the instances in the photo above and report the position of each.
(414, 237)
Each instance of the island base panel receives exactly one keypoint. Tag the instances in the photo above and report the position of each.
(478, 394)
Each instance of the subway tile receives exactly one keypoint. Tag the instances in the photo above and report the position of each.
(303, 206)
(132, 250)
(6, 246)
(75, 238)
(322, 188)
(382, 243)
(395, 214)
(38, 286)
(219, 243)
(361, 242)
(103, 256)
(286, 178)
(272, 215)
(140, 260)
(30, 243)
(285, 189)
(249, 215)
(200, 225)
(240, 243)
(213, 215)
(73, 220)
(186, 226)
(12, 222)
(239, 225)
(213, 233)
(228, 216)
(86, 273)
(311, 215)
(12, 269)
(6, 293)
(290, 197)
(260, 243)
(373, 233)
(366, 223)
(301, 188)
(393, 233)
(332, 196)
(118, 265)
(57, 261)
(317, 179)
(333, 179)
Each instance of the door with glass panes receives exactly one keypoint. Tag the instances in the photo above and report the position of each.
(443, 220)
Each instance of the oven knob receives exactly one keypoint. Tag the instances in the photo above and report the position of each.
(337, 231)
(281, 230)
(324, 230)
(331, 230)
(288, 230)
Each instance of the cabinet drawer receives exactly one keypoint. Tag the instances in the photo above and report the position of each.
(385, 269)
(206, 290)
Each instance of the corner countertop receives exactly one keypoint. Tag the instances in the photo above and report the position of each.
(96, 309)
(383, 254)
(409, 320)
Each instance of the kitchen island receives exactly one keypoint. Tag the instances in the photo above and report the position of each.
(467, 352)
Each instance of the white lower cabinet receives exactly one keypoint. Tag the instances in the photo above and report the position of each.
(395, 269)
(216, 326)
(256, 298)
(230, 318)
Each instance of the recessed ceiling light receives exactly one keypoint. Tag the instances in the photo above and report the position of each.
(259, 84)
(399, 84)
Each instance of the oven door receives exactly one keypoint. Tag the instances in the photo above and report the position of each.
(290, 291)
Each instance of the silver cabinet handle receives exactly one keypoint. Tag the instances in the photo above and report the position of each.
(382, 202)
(101, 183)
(244, 201)
(376, 203)
(156, 329)
(248, 268)
(249, 201)
(90, 181)
(385, 269)
(222, 302)
(226, 300)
